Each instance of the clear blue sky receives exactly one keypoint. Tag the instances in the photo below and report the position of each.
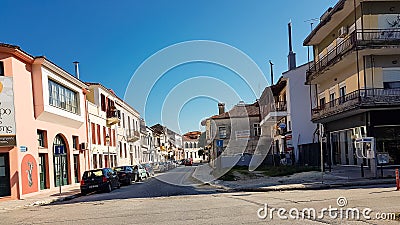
(111, 39)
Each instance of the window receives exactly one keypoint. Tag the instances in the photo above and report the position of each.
(191, 145)
(93, 126)
(41, 136)
(126, 151)
(120, 150)
(62, 97)
(104, 135)
(1, 68)
(123, 120)
(391, 85)
(186, 145)
(98, 135)
(75, 142)
(222, 132)
(322, 102)
(257, 129)
(342, 93)
(103, 102)
(331, 99)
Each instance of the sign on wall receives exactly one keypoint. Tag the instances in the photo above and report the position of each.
(7, 113)
(242, 134)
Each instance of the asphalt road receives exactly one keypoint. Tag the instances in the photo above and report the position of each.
(157, 202)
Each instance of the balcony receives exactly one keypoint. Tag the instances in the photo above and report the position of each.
(365, 39)
(362, 99)
(132, 135)
(112, 117)
(274, 111)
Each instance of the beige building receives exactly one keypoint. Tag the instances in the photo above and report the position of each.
(356, 75)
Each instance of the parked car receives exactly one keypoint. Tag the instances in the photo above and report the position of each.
(104, 179)
(125, 174)
(188, 162)
(149, 169)
(158, 167)
(140, 171)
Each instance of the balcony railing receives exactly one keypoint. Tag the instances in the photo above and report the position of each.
(112, 117)
(372, 38)
(280, 106)
(132, 135)
(366, 98)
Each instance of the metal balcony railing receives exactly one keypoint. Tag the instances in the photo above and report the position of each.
(371, 38)
(132, 135)
(373, 97)
(280, 106)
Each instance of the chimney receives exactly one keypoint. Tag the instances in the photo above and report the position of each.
(76, 69)
(292, 55)
(221, 108)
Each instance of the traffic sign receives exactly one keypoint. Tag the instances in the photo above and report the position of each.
(220, 143)
(59, 149)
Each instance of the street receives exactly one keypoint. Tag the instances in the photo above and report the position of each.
(157, 201)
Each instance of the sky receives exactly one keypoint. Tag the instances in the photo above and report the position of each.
(173, 61)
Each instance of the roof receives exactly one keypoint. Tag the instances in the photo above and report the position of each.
(324, 20)
(237, 111)
(112, 92)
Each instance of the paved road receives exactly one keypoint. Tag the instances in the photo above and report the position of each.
(195, 204)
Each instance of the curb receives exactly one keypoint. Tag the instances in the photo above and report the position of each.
(312, 186)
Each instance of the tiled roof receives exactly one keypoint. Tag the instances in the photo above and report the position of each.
(237, 111)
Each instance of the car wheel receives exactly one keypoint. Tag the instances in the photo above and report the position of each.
(84, 192)
(109, 187)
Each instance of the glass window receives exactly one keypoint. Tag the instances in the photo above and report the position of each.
(41, 138)
(391, 85)
(62, 97)
(103, 102)
(75, 142)
(322, 102)
(222, 132)
(257, 129)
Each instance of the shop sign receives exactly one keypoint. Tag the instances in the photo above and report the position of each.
(242, 134)
(289, 142)
(7, 112)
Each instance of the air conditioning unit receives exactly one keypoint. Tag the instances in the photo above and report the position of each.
(342, 31)
(84, 145)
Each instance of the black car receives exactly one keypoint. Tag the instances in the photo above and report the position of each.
(104, 179)
(125, 174)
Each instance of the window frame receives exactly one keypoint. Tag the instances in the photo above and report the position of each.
(222, 135)
(63, 97)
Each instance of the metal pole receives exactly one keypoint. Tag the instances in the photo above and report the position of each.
(109, 160)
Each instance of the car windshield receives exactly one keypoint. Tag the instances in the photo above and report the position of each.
(93, 173)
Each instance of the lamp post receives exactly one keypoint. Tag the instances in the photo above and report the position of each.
(108, 148)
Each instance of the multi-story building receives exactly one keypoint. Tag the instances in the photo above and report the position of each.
(191, 146)
(167, 143)
(285, 113)
(102, 125)
(234, 132)
(128, 134)
(356, 76)
(42, 124)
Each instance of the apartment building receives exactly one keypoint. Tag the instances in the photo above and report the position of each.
(42, 124)
(356, 77)
(191, 146)
(102, 124)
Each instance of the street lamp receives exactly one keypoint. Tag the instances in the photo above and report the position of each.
(108, 148)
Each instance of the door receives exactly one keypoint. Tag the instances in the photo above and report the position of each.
(76, 168)
(5, 189)
(42, 171)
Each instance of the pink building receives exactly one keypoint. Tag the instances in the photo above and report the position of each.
(42, 124)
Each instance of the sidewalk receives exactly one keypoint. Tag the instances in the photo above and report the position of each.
(340, 176)
(42, 197)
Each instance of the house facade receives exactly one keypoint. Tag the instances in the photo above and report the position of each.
(356, 78)
(43, 123)
(191, 147)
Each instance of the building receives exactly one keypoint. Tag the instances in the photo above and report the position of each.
(102, 124)
(43, 123)
(150, 154)
(356, 77)
(285, 112)
(191, 147)
(167, 143)
(235, 132)
(128, 134)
